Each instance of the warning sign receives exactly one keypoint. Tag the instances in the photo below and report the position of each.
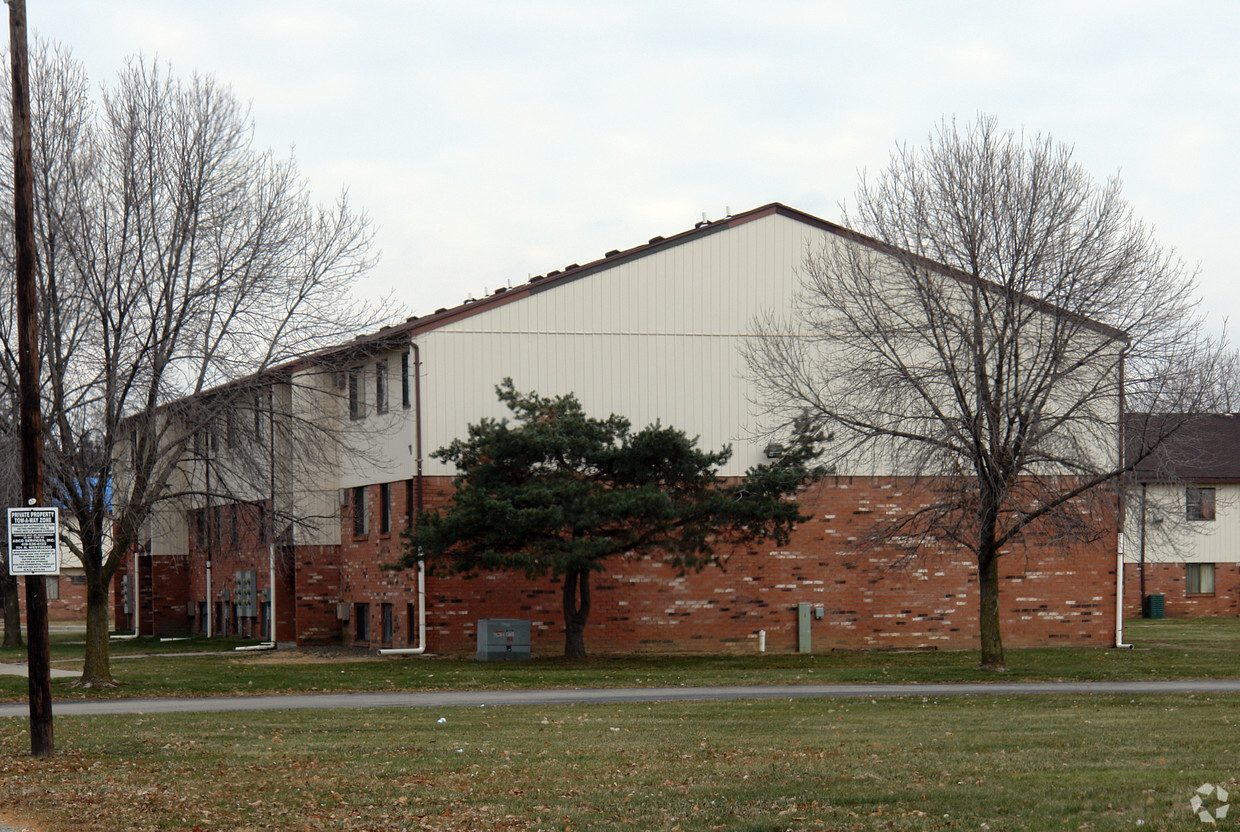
(34, 541)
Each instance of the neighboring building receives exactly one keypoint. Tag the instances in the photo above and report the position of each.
(653, 333)
(1182, 525)
(66, 592)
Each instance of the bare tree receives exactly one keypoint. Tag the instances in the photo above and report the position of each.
(175, 257)
(10, 495)
(984, 340)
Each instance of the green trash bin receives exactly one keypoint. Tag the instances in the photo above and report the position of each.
(1155, 606)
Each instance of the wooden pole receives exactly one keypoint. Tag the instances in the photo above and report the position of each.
(28, 370)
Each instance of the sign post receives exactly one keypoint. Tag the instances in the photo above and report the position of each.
(30, 421)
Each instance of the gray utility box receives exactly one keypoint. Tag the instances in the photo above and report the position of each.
(503, 638)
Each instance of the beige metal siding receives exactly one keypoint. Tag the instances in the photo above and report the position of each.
(656, 338)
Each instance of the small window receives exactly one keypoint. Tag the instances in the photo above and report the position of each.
(262, 522)
(234, 511)
(404, 380)
(1199, 503)
(1199, 579)
(385, 508)
(388, 623)
(258, 416)
(52, 586)
(409, 504)
(357, 408)
(359, 511)
(381, 387)
(200, 528)
(361, 622)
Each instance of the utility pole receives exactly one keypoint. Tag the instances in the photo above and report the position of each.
(28, 371)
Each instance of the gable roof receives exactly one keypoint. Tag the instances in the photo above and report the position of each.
(1201, 448)
(417, 325)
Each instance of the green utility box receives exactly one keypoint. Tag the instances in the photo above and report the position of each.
(1155, 606)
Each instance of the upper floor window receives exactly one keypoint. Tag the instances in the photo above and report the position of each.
(381, 386)
(1199, 503)
(404, 380)
(357, 408)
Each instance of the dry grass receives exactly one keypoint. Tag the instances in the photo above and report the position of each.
(1032, 763)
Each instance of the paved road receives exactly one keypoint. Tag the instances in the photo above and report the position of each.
(457, 699)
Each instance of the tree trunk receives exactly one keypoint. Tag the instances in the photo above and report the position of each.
(988, 617)
(12, 612)
(576, 612)
(97, 670)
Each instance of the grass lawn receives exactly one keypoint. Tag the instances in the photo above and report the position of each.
(984, 762)
(989, 763)
(1166, 649)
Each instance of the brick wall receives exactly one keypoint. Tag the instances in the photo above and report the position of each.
(70, 606)
(870, 599)
(1168, 580)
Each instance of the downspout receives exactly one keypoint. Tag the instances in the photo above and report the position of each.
(1142, 568)
(1119, 554)
(419, 503)
(210, 600)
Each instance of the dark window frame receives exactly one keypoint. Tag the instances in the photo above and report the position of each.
(1196, 580)
(404, 380)
(385, 508)
(357, 396)
(1199, 503)
(381, 386)
(360, 526)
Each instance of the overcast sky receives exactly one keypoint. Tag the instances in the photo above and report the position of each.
(489, 141)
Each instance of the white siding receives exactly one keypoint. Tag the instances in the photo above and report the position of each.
(655, 338)
(1170, 538)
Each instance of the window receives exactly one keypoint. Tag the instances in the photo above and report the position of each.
(385, 508)
(51, 584)
(1199, 579)
(409, 504)
(357, 408)
(200, 528)
(381, 385)
(359, 511)
(235, 527)
(258, 416)
(388, 623)
(217, 527)
(1199, 503)
(262, 522)
(404, 380)
(361, 622)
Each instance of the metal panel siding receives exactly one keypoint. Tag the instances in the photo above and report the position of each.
(655, 339)
(1177, 540)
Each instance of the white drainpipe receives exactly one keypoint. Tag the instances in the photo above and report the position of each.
(1119, 594)
(421, 648)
